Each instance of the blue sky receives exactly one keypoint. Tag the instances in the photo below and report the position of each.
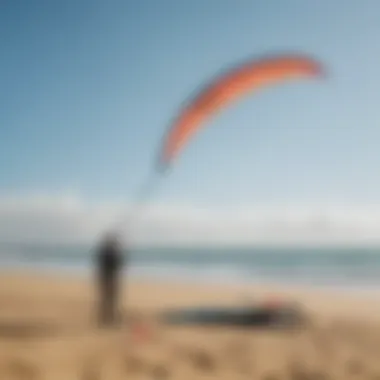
(88, 87)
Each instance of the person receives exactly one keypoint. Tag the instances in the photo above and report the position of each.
(109, 265)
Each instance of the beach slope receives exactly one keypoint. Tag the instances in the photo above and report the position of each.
(48, 331)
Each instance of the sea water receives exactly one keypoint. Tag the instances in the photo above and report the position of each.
(350, 268)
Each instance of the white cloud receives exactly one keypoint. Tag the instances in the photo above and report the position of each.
(72, 219)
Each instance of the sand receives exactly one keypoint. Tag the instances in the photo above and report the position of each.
(47, 331)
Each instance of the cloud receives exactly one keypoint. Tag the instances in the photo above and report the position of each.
(55, 218)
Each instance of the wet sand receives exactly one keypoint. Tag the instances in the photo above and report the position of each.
(47, 331)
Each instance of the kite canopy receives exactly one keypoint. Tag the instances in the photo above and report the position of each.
(228, 87)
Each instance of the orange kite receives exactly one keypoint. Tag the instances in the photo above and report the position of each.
(227, 88)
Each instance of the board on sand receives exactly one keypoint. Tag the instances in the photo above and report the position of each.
(255, 316)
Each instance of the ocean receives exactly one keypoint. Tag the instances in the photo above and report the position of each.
(349, 268)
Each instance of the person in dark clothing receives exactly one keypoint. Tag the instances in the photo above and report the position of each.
(109, 266)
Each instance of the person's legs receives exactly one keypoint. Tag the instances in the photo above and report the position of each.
(102, 296)
(109, 300)
(109, 288)
(105, 301)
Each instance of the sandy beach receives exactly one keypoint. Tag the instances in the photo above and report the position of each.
(47, 331)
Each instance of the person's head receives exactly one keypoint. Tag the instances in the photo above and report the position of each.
(111, 238)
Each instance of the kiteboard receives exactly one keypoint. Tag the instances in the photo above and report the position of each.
(286, 315)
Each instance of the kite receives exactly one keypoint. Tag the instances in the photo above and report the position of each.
(230, 86)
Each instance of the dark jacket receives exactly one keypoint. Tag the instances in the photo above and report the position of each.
(109, 260)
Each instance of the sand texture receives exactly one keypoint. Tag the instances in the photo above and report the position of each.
(48, 331)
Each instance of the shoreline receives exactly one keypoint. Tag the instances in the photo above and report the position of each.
(80, 275)
(339, 299)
